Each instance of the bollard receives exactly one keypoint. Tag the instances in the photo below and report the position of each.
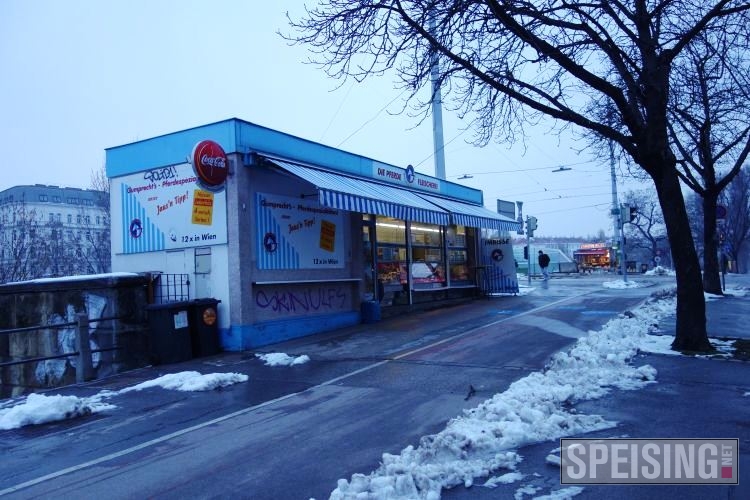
(84, 367)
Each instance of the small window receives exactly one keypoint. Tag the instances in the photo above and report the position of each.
(70, 219)
(56, 199)
(98, 220)
(78, 219)
(51, 217)
(42, 197)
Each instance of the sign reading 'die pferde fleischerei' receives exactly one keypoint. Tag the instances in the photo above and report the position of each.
(296, 233)
(168, 208)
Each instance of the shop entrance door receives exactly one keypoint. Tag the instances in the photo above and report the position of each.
(368, 258)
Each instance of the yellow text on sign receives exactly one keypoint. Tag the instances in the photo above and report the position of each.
(327, 235)
(203, 207)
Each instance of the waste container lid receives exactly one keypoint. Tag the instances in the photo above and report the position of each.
(182, 304)
(205, 301)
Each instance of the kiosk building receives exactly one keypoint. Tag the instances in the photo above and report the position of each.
(294, 237)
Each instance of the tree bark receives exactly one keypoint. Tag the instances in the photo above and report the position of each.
(711, 269)
(690, 329)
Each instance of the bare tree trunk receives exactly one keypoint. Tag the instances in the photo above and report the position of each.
(711, 269)
(690, 334)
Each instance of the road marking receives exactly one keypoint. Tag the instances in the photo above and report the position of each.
(182, 432)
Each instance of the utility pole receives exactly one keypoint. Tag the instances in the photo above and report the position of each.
(437, 110)
(617, 214)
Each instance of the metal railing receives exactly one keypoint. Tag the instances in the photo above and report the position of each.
(84, 366)
(171, 288)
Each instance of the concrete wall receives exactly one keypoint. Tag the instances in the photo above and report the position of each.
(50, 302)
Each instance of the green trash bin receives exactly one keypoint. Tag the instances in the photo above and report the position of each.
(204, 321)
(169, 332)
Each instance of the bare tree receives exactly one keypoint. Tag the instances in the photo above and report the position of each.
(93, 244)
(710, 125)
(647, 231)
(736, 228)
(694, 205)
(21, 241)
(603, 66)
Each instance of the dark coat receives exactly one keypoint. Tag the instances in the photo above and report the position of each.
(543, 260)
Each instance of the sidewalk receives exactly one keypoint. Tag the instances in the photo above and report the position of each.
(693, 397)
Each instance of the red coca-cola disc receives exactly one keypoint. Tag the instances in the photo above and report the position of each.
(210, 163)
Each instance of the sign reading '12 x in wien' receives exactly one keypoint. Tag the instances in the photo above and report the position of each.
(210, 164)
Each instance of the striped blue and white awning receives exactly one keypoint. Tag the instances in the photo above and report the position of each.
(466, 214)
(359, 195)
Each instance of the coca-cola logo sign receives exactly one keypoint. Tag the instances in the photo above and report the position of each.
(210, 163)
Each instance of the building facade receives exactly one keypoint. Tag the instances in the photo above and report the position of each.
(51, 231)
(294, 237)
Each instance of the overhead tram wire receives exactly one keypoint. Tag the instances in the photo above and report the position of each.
(336, 113)
(526, 169)
(371, 119)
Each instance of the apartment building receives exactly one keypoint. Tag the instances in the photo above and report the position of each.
(51, 231)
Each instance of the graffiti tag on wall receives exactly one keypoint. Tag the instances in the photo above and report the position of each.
(309, 300)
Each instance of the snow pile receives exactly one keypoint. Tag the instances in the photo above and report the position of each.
(618, 285)
(189, 381)
(660, 271)
(40, 409)
(533, 409)
(510, 477)
(281, 359)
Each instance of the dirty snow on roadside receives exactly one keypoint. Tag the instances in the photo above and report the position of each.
(39, 408)
(483, 441)
(282, 359)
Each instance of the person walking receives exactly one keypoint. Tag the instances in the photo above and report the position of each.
(544, 264)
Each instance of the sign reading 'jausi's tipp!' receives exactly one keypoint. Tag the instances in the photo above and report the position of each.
(210, 164)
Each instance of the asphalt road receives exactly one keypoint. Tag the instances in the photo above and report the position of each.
(292, 432)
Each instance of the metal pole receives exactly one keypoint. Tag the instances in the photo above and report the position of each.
(531, 256)
(617, 213)
(84, 367)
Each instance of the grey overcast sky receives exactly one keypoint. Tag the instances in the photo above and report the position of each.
(80, 76)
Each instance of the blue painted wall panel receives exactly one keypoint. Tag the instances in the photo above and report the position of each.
(169, 149)
(273, 332)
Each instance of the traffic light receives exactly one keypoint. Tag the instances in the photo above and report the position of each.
(633, 213)
(526, 252)
(530, 225)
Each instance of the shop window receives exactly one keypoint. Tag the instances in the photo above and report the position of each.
(391, 260)
(391, 230)
(458, 256)
(428, 263)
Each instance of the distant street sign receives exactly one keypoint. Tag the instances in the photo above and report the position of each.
(721, 212)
